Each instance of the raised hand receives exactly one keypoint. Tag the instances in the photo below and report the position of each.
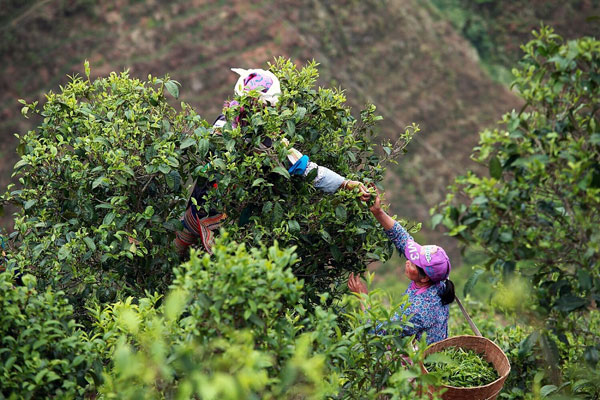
(376, 206)
(356, 285)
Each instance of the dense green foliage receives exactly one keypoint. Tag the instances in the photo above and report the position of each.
(105, 178)
(233, 326)
(43, 352)
(101, 187)
(536, 215)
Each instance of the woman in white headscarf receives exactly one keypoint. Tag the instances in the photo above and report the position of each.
(198, 224)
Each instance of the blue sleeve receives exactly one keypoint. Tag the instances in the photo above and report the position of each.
(418, 326)
(399, 236)
(300, 166)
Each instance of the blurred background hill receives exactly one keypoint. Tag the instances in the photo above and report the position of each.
(443, 64)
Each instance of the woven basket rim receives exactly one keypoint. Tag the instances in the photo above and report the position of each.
(500, 378)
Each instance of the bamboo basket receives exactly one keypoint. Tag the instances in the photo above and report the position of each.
(490, 351)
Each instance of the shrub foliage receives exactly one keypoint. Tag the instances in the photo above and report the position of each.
(537, 212)
(101, 187)
(333, 234)
(44, 353)
(234, 326)
(105, 178)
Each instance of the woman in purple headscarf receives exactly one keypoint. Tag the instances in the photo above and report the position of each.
(199, 224)
(430, 291)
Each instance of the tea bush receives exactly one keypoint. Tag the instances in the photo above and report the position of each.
(102, 186)
(106, 176)
(333, 234)
(43, 352)
(234, 326)
(536, 214)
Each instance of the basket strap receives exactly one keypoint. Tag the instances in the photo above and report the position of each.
(466, 314)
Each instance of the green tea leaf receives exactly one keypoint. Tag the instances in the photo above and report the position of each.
(172, 88)
(257, 182)
(108, 218)
(435, 220)
(203, 146)
(29, 203)
(282, 171)
(340, 213)
(100, 181)
(495, 168)
(187, 142)
(547, 390)
(294, 226)
(90, 243)
(291, 127)
(568, 303)
(472, 281)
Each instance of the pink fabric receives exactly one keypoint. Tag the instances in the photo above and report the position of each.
(419, 290)
(433, 259)
(256, 81)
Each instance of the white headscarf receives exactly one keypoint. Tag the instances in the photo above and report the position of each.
(270, 96)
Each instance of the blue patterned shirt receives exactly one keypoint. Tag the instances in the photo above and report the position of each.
(426, 309)
(399, 236)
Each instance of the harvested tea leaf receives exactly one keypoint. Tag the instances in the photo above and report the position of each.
(461, 368)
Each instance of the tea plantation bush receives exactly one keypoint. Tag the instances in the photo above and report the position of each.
(43, 352)
(333, 234)
(101, 188)
(233, 326)
(536, 215)
(106, 176)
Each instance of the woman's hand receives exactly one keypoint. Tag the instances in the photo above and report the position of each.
(376, 206)
(381, 216)
(364, 192)
(356, 285)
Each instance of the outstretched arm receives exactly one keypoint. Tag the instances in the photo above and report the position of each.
(326, 180)
(396, 232)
